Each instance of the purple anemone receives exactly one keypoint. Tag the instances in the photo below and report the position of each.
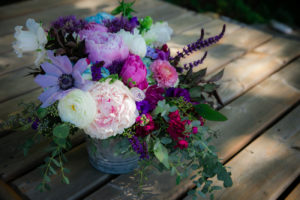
(60, 78)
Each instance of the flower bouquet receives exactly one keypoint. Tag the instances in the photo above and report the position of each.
(113, 78)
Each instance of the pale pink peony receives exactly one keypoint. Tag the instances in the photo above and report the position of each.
(164, 73)
(103, 46)
(116, 109)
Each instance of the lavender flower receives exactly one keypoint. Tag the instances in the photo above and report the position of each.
(69, 24)
(116, 24)
(96, 70)
(199, 44)
(60, 78)
(195, 63)
(139, 148)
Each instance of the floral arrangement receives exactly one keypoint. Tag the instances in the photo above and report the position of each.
(113, 76)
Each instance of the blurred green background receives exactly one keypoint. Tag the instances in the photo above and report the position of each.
(248, 11)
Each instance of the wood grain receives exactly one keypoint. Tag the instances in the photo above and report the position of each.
(276, 160)
(248, 70)
(7, 193)
(83, 177)
(248, 116)
(13, 163)
(16, 83)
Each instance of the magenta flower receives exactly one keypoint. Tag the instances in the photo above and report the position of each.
(134, 72)
(60, 78)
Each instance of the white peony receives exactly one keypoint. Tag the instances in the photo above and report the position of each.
(77, 107)
(34, 39)
(135, 42)
(116, 109)
(159, 34)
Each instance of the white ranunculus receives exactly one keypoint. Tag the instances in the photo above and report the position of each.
(135, 42)
(159, 34)
(34, 39)
(77, 107)
(116, 109)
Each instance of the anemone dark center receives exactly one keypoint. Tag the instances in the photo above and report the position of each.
(66, 81)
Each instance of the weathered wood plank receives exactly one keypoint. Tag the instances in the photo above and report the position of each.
(11, 106)
(187, 21)
(295, 194)
(246, 71)
(265, 168)
(30, 6)
(248, 116)
(7, 193)
(78, 8)
(236, 42)
(13, 163)
(15, 83)
(83, 179)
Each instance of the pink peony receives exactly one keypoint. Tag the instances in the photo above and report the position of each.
(103, 46)
(116, 109)
(164, 73)
(134, 72)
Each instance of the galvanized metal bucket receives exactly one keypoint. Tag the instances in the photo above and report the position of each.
(106, 156)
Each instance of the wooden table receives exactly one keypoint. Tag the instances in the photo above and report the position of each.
(260, 91)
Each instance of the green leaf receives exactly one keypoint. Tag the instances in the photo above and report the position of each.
(195, 91)
(208, 113)
(56, 163)
(216, 77)
(60, 142)
(166, 140)
(41, 112)
(210, 87)
(178, 179)
(161, 153)
(61, 131)
(65, 180)
(52, 170)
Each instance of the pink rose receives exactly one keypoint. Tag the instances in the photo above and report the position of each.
(134, 72)
(164, 73)
(103, 46)
(116, 109)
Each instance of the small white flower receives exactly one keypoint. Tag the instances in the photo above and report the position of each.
(77, 107)
(135, 42)
(159, 34)
(34, 39)
(137, 94)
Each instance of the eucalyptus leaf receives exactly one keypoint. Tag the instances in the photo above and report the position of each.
(209, 113)
(61, 131)
(161, 153)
